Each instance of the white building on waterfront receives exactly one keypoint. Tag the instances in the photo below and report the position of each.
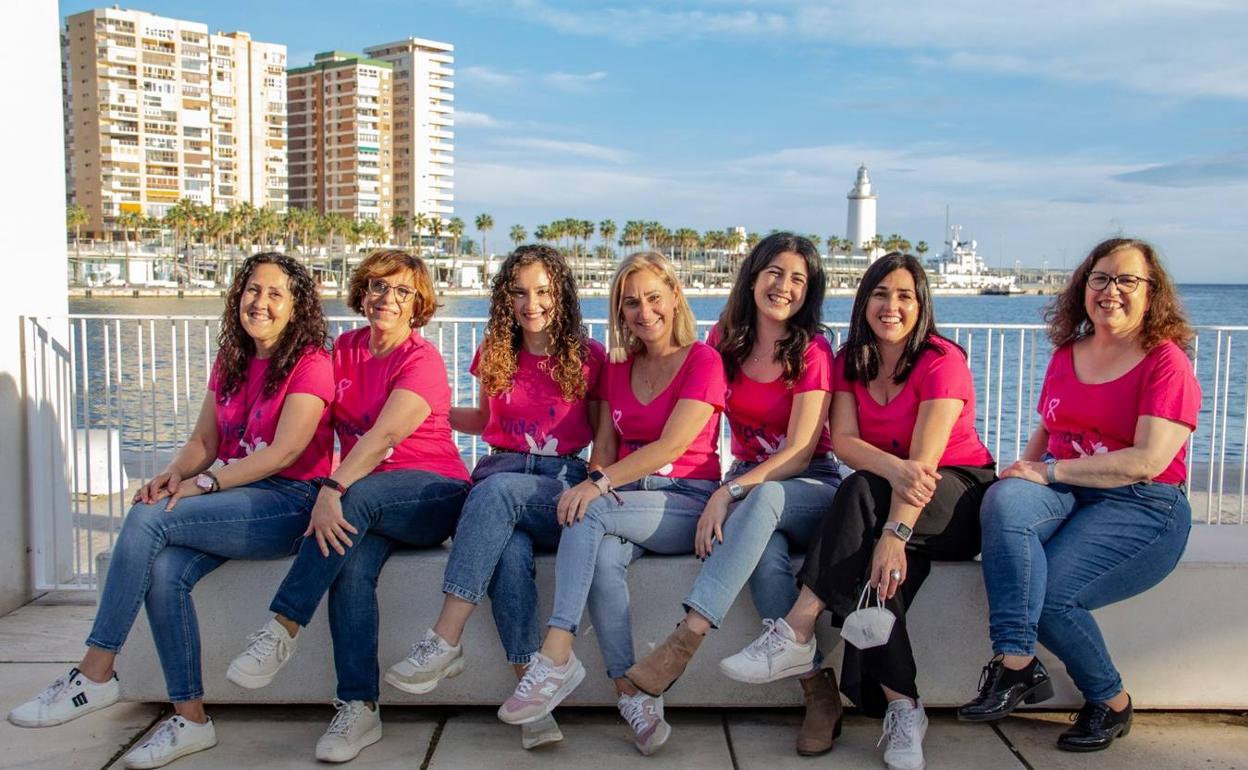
(861, 226)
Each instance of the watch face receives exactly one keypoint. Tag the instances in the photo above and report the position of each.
(904, 530)
(203, 482)
(735, 491)
(595, 476)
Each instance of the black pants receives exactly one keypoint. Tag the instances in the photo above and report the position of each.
(839, 559)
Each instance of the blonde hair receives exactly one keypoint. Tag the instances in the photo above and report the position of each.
(620, 340)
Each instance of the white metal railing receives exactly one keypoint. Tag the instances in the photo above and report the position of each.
(111, 398)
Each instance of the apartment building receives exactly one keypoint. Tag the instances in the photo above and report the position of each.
(341, 112)
(423, 120)
(159, 109)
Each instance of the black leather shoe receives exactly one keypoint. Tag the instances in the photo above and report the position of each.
(1001, 690)
(1096, 726)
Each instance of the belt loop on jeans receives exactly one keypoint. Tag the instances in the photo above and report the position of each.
(496, 450)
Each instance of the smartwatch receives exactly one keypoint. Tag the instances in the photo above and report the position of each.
(735, 490)
(326, 481)
(600, 480)
(207, 482)
(900, 529)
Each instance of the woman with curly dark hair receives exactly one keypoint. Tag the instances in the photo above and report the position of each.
(1095, 511)
(539, 375)
(266, 417)
(401, 483)
(783, 478)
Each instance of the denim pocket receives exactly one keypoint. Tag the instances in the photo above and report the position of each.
(1161, 496)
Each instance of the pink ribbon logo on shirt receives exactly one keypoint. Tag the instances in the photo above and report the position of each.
(343, 384)
(1050, 410)
(616, 414)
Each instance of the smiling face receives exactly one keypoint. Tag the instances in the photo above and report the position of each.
(1111, 310)
(265, 306)
(384, 311)
(780, 289)
(648, 305)
(893, 308)
(532, 298)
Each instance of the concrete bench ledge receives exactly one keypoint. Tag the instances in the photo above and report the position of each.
(1178, 646)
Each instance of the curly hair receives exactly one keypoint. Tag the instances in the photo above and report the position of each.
(384, 262)
(1165, 319)
(622, 342)
(737, 322)
(306, 329)
(503, 336)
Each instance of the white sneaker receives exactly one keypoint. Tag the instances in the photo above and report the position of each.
(904, 728)
(354, 728)
(644, 713)
(69, 697)
(540, 733)
(430, 661)
(175, 737)
(267, 651)
(773, 655)
(543, 687)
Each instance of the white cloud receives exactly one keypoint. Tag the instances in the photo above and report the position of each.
(487, 76)
(565, 149)
(573, 83)
(469, 119)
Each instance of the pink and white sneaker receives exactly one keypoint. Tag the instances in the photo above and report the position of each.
(644, 713)
(542, 688)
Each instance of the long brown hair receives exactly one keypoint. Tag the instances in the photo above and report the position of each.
(306, 329)
(503, 336)
(1165, 318)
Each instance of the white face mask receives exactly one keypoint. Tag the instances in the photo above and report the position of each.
(869, 625)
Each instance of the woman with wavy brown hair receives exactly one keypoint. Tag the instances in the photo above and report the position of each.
(240, 488)
(539, 396)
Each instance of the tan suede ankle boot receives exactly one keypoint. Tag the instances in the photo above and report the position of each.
(822, 723)
(657, 672)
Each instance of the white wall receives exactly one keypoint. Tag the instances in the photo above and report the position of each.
(32, 256)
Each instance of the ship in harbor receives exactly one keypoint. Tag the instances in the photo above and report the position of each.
(960, 269)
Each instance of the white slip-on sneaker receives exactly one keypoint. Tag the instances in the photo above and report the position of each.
(68, 697)
(174, 738)
(430, 661)
(267, 651)
(775, 654)
(354, 728)
(644, 713)
(540, 733)
(904, 728)
(542, 688)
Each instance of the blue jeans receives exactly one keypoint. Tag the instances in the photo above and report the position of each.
(774, 519)
(1052, 554)
(159, 557)
(390, 509)
(509, 514)
(659, 514)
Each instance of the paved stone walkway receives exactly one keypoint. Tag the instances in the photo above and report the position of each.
(38, 641)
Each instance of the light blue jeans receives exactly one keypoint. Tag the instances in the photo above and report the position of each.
(774, 520)
(160, 556)
(1052, 554)
(658, 514)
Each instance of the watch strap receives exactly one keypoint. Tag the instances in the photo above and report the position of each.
(334, 484)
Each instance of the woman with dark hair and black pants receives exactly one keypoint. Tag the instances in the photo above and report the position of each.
(903, 415)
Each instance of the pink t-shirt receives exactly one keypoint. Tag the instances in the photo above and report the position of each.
(364, 384)
(889, 427)
(247, 419)
(758, 412)
(533, 416)
(1084, 419)
(700, 378)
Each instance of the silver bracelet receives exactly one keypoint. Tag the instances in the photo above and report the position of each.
(1050, 471)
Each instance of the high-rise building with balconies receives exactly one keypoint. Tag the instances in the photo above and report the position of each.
(423, 125)
(158, 110)
(341, 114)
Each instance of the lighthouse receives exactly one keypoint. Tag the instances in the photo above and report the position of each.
(861, 226)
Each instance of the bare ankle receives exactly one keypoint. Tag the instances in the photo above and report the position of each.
(291, 626)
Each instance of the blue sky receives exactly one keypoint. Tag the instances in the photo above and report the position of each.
(1044, 126)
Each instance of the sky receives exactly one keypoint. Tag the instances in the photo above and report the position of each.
(1042, 127)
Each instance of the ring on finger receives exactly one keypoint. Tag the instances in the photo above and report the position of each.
(895, 575)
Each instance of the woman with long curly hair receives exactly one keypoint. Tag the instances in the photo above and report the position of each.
(1095, 511)
(401, 483)
(266, 418)
(783, 479)
(538, 402)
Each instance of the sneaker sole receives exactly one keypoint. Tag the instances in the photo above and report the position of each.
(249, 681)
(420, 688)
(544, 739)
(775, 676)
(90, 708)
(368, 739)
(559, 696)
(147, 764)
(661, 734)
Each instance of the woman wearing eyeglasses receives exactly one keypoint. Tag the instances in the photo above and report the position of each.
(400, 483)
(1095, 512)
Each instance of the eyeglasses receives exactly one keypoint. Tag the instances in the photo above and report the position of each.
(1127, 283)
(378, 289)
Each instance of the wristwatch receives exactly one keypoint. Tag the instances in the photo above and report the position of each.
(207, 482)
(334, 484)
(735, 490)
(1050, 470)
(900, 529)
(600, 480)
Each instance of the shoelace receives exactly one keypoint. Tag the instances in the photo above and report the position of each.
(767, 644)
(344, 720)
(423, 650)
(986, 678)
(898, 729)
(54, 690)
(166, 735)
(634, 712)
(535, 673)
(261, 644)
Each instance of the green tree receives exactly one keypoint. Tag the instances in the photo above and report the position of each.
(419, 223)
(128, 221)
(484, 223)
(517, 235)
(399, 226)
(75, 218)
(607, 231)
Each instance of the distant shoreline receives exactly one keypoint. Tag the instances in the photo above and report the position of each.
(115, 292)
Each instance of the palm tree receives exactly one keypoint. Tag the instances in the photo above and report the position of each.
(921, 247)
(435, 232)
(607, 230)
(456, 230)
(484, 223)
(398, 226)
(127, 221)
(517, 235)
(634, 232)
(75, 218)
(419, 222)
